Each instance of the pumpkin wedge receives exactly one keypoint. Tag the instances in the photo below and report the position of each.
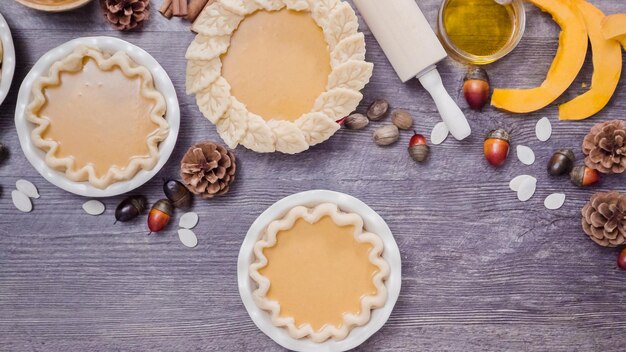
(614, 27)
(568, 61)
(607, 68)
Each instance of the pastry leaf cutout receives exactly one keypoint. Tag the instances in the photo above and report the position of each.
(321, 9)
(289, 138)
(297, 5)
(342, 24)
(317, 127)
(270, 5)
(215, 19)
(214, 100)
(240, 7)
(207, 47)
(233, 126)
(200, 74)
(351, 48)
(259, 137)
(337, 103)
(351, 75)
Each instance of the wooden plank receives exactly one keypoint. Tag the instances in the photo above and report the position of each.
(481, 271)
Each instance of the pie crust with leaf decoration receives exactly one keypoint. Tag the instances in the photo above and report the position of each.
(276, 75)
(318, 273)
(98, 117)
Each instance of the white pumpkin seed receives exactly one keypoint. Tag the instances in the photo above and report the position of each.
(543, 129)
(525, 155)
(93, 207)
(527, 189)
(188, 220)
(517, 182)
(188, 238)
(21, 201)
(554, 201)
(27, 188)
(439, 133)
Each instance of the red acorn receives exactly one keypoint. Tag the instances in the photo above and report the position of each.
(160, 215)
(476, 87)
(418, 148)
(583, 176)
(621, 259)
(496, 147)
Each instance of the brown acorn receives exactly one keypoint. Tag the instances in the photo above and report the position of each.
(378, 109)
(496, 147)
(418, 148)
(561, 162)
(476, 87)
(583, 176)
(178, 194)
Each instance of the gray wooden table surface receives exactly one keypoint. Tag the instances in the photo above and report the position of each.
(481, 270)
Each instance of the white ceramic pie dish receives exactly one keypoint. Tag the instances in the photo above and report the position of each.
(36, 156)
(8, 59)
(373, 223)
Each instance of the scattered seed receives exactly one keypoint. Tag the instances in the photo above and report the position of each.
(356, 121)
(527, 189)
(21, 201)
(378, 109)
(188, 238)
(554, 201)
(517, 182)
(93, 207)
(27, 188)
(525, 155)
(188, 220)
(402, 119)
(543, 129)
(386, 135)
(439, 133)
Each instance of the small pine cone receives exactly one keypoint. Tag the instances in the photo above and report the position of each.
(605, 147)
(125, 14)
(208, 169)
(604, 218)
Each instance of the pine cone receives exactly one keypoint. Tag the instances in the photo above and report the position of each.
(605, 147)
(125, 14)
(208, 169)
(604, 218)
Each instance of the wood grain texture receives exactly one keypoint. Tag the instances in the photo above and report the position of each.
(481, 271)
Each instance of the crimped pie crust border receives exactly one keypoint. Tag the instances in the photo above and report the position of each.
(235, 124)
(368, 303)
(72, 63)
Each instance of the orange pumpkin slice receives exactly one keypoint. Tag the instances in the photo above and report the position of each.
(607, 68)
(614, 27)
(568, 61)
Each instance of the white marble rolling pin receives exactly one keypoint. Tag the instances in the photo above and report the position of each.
(413, 50)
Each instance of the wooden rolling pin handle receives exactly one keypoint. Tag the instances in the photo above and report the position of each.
(450, 113)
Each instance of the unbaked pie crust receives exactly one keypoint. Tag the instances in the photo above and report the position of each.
(154, 111)
(235, 124)
(340, 247)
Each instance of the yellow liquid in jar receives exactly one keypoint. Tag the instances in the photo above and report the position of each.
(478, 27)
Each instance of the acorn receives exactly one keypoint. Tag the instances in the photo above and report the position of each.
(496, 147)
(561, 162)
(130, 208)
(377, 110)
(178, 194)
(621, 259)
(356, 121)
(583, 176)
(402, 119)
(386, 135)
(476, 87)
(160, 215)
(418, 147)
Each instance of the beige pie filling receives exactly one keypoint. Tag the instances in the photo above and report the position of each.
(277, 64)
(318, 272)
(98, 117)
(52, 2)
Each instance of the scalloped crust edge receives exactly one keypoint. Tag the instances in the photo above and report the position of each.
(327, 14)
(73, 63)
(368, 303)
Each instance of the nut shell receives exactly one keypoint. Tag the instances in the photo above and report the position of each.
(356, 121)
(386, 135)
(402, 119)
(378, 109)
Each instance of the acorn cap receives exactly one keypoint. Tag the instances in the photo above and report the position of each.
(478, 73)
(499, 134)
(165, 206)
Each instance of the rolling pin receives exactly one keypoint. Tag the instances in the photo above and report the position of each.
(413, 50)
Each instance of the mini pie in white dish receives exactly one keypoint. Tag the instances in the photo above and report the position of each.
(98, 117)
(276, 75)
(319, 274)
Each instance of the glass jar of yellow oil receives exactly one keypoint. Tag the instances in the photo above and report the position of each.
(480, 31)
